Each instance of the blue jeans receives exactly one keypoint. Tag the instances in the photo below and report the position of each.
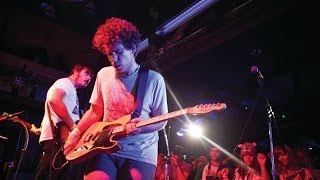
(106, 166)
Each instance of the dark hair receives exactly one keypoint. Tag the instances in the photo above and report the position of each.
(255, 165)
(286, 149)
(216, 147)
(79, 67)
(116, 30)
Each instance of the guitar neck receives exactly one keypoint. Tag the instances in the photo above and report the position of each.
(155, 119)
(160, 118)
(199, 109)
(29, 126)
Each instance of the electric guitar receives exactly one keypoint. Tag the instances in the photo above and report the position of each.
(61, 131)
(102, 136)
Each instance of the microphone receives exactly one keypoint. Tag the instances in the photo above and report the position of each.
(255, 70)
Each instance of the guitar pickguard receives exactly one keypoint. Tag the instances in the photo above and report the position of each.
(94, 143)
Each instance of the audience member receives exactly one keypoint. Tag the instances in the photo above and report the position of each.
(288, 165)
(215, 169)
(254, 163)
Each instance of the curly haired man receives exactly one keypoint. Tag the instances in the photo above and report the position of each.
(115, 94)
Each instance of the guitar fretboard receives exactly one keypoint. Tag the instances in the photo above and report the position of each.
(160, 118)
(153, 120)
(199, 109)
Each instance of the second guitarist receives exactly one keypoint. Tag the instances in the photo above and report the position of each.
(61, 107)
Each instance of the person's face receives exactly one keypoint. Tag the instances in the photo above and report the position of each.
(283, 158)
(83, 78)
(121, 58)
(248, 159)
(215, 153)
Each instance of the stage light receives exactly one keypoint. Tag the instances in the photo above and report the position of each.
(181, 18)
(143, 45)
(195, 131)
(180, 133)
(185, 15)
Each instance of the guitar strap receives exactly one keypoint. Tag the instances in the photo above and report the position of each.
(51, 124)
(142, 84)
(55, 130)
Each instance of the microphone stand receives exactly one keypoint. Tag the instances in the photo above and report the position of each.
(24, 149)
(271, 117)
(167, 160)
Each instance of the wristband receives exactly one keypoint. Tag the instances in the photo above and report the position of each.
(75, 131)
(74, 126)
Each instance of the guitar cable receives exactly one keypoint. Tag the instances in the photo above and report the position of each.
(54, 158)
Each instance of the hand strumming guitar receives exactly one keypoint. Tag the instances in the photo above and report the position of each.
(74, 136)
(72, 140)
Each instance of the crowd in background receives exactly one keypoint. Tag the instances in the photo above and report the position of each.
(248, 163)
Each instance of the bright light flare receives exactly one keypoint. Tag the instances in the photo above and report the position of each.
(180, 133)
(195, 131)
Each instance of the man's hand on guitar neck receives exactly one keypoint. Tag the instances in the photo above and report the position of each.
(130, 127)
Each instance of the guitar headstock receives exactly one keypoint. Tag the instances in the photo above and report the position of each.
(205, 108)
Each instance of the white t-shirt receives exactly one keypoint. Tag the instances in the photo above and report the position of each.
(71, 102)
(116, 95)
(212, 171)
(209, 172)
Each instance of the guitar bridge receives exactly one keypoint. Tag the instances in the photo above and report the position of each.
(83, 148)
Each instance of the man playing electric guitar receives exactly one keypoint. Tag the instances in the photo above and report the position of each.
(119, 90)
(116, 94)
(61, 106)
(128, 103)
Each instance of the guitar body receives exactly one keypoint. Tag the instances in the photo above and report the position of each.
(98, 138)
(61, 131)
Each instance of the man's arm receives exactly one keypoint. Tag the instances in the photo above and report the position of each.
(91, 116)
(159, 107)
(60, 108)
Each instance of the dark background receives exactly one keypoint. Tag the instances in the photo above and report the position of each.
(206, 60)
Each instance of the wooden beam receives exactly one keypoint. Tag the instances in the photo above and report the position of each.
(41, 74)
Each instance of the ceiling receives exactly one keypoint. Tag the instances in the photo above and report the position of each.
(205, 60)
